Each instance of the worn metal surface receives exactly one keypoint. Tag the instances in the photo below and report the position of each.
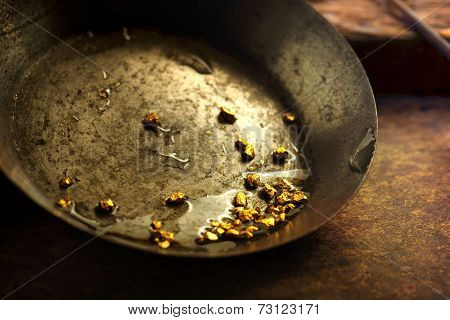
(391, 241)
(52, 119)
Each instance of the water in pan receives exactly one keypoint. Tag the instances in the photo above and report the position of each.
(81, 114)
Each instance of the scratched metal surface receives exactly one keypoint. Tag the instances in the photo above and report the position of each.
(52, 120)
(391, 241)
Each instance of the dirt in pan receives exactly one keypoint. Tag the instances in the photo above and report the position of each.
(79, 114)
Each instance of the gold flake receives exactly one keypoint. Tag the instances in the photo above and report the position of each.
(297, 197)
(268, 191)
(227, 115)
(64, 202)
(268, 222)
(176, 198)
(252, 181)
(156, 225)
(106, 205)
(288, 117)
(240, 200)
(151, 120)
(283, 198)
(283, 184)
(65, 182)
(280, 154)
(246, 149)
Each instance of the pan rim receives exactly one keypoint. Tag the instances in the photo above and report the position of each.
(35, 195)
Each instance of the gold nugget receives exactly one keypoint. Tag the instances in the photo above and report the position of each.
(280, 217)
(283, 184)
(246, 149)
(106, 205)
(64, 202)
(221, 225)
(219, 231)
(268, 191)
(249, 153)
(167, 235)
(268, 222)
(273, 209)
(151, 120)
(252, 181)
(227, 115)
(283, 198)
(252, 229)
(207, 237)
(240, 199)
(65, 182)
(245, 234)
(226, 226)
(240, 144)
(156, 225)
(232, 233)
(280, 155)
(247, 214)
(160, 237)
(288, 117)
(288, 208)
(215, 224)
(176, 198)
(237, 222)
(297, 197)
(164, 244)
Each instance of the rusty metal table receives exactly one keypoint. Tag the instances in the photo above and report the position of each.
(391, 241)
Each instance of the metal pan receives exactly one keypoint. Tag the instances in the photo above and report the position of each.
(183, 60)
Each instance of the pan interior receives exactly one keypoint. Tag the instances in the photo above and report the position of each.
(85, 104)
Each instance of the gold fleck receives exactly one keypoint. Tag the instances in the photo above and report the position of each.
(246, 234)
(237, 223)
(65, 182)
(252, 229)
(215, 223)
(156, 225)
(227, 115)
(246, 149)
(280, 218)
(106, 205)
(232, 233)
(240, 200)
(240, 144)
(249, 153)
(279, 155)
(160, 237)
(167, 235)
(176, 198)
(219, 230)
(268, 222)
(226, 226)
(288, 208)
(64, 202)
(283, 198)
(268, 191)
(252, 181)
(288, 117)
(297, 197)
(283, 184)
(151, 120)
(247, 215)
(164, 244)
(206, 237)
(273, 209)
